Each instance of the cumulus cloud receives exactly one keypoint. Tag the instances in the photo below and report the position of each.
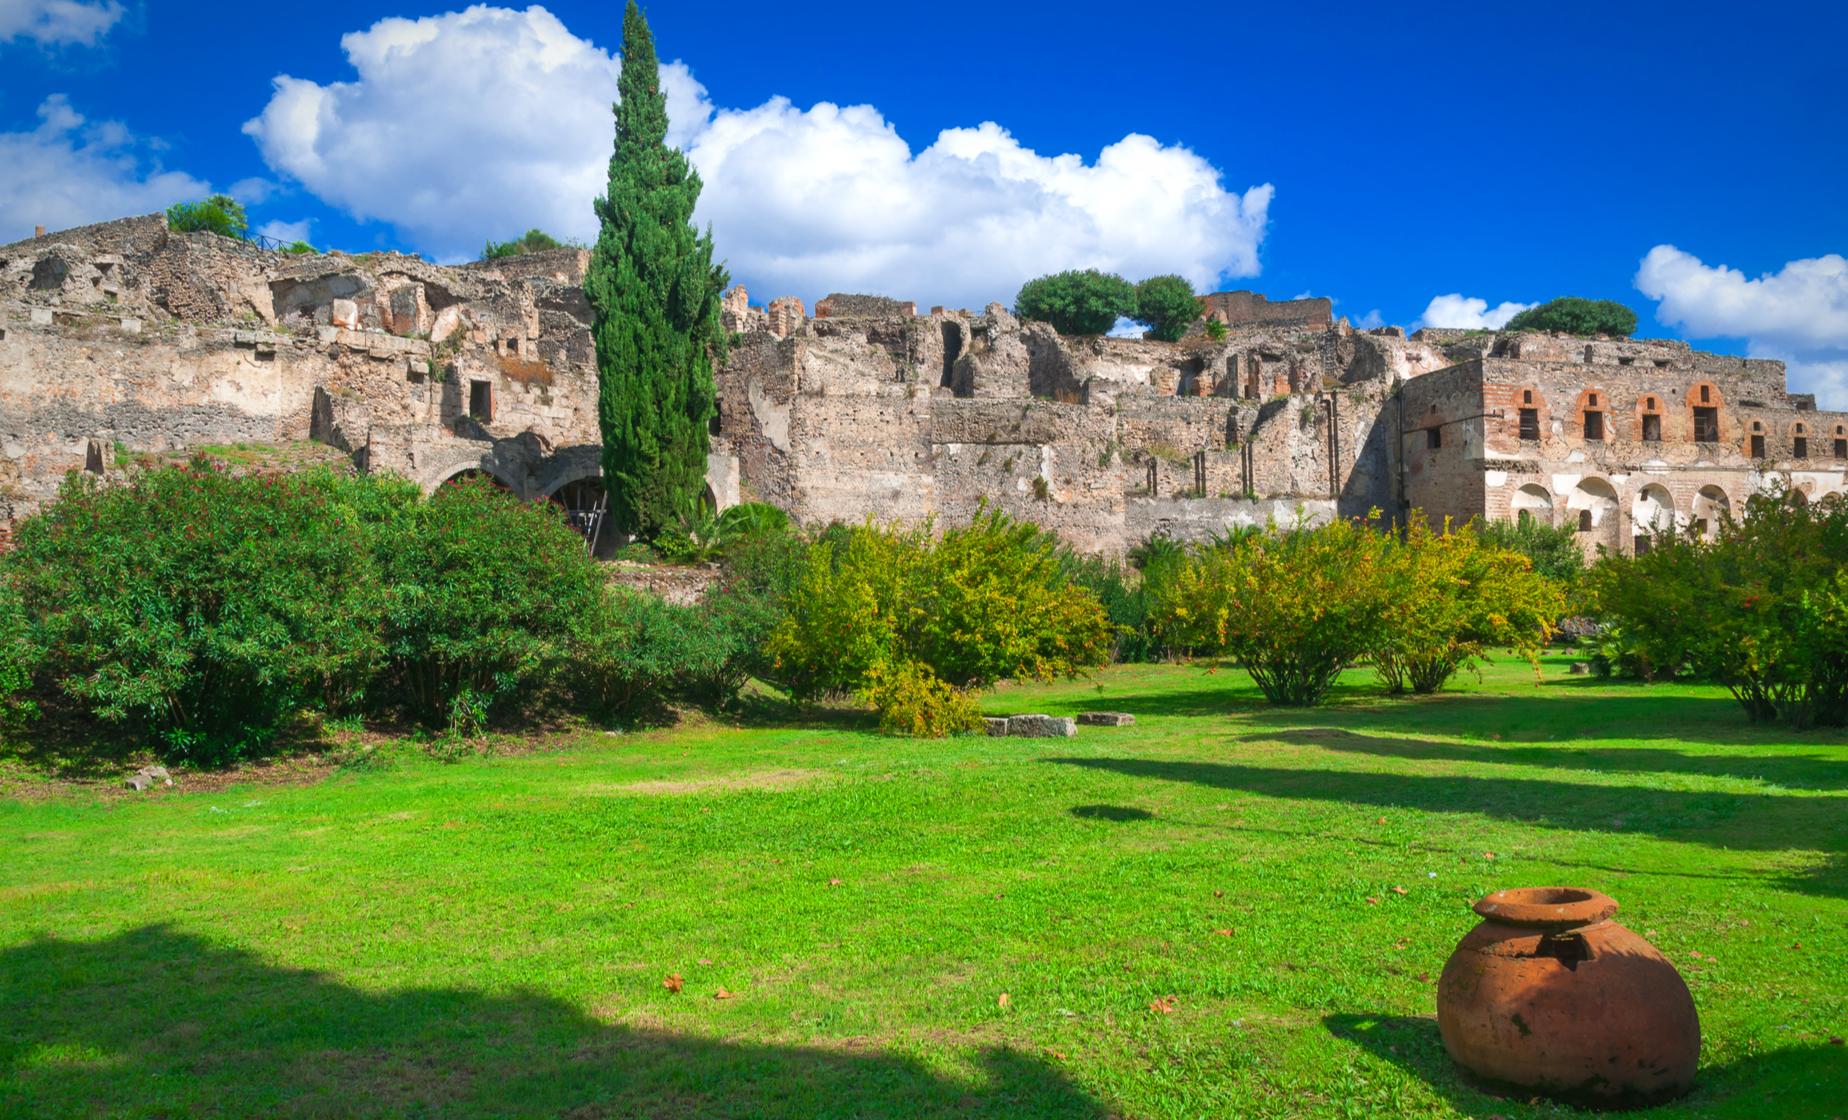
(479, 124)
(1469, 313)
(68, 172)
(286, 232)
(1798, 314)
(58, 22)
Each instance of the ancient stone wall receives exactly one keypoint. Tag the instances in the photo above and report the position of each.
(1250, 309)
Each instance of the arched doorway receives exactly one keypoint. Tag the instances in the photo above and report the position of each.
(467, 473)
(1532, 503)
(1651, 515)
(1593, 507)
(586, 508)
(1711, 507)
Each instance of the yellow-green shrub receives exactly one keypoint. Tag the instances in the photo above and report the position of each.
(912, 700)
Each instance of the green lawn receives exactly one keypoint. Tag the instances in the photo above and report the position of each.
(491, 937)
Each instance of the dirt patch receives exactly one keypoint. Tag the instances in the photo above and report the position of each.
(756, 779)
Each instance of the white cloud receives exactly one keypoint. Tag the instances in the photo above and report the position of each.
(1468, 313)
(1127, 328)
(1371, 321)
(1798, 314)
(286, 232)
(479, 124)
(68, 172)
(58, 22)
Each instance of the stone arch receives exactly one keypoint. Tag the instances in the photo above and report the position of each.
(1652, 512)
(473, 470)
(585, 505)
(1711, 506)
(1532, 500)
(1593, 506)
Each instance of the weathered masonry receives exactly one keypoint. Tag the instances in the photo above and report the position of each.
(126, 338)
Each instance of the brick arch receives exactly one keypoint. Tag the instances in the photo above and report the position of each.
(1651, 404)
(1757, 442)
(1524, 397)
(1799, 440)
(1593, 401)
(1705, 394)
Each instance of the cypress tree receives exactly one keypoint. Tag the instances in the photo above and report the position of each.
(654, 293)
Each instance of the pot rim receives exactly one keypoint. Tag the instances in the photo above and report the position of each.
(1546, 907)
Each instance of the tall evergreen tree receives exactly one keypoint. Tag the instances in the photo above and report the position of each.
(654, 291)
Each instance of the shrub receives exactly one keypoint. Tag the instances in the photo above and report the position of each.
(627, 651)
(1762, 608)
(299, 249)
(912, 700)
(532, 241)
(1295, 608)
(1216, 330)
(987, 601)
(1450, 594)
(220, 214)
(703, 538)
(19, 658)
(482, 592)
(1087, 302)
(1552, 549)
(1168, 305)
(1123, 592)
(1582, 317)
(201, 607)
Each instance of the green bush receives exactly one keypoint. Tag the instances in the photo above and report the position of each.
(532, 241)
(627, 653)
(299, 249)
(1295, 607)
(220, 214)
(1450, 594)
(1582, 317)
(875, 606)
(1168, 305)
(912, 700)
(1123, 591)
(482, 592)
(1553, 549)
(19, 658)
(199, 607)
(1762, 608)
(1087, 302)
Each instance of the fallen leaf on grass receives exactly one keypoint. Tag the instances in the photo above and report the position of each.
(1163, 1006)
(834, 882)
(1223, 932)
(1398, 890)
(1424, 977)
(1003, 1001)
(1796, 944)
(1835, 1040)
(704, 960)
(1059, 1054)
(721, 994)
(1372, 901)
(1488, 855)
(673, 983)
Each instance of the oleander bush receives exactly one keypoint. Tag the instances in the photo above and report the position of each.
(1762, 608)
(627, 652)
(199, 608)
(19, 658)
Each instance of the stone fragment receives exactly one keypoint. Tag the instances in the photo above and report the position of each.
(448, 322)
(1041, 726)
(41, 316)
(995, 725)
(345, 314)
(1578, 668)
(138, 782)
(1106, 719)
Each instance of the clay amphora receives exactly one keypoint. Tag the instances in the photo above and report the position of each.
(1548, 994)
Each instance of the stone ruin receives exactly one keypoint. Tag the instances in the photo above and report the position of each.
(127, 339)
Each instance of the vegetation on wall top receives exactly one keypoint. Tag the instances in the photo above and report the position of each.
(1582, 317)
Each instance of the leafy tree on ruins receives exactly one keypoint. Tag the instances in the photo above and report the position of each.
(1087, 302)
(1168, 305)
(654, 291)
(532, 241)
(1582, 317)
(220, 214)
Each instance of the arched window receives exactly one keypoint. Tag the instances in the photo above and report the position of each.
(1593, 406)
(1755, 440)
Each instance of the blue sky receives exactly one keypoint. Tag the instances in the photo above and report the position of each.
(1385, 158)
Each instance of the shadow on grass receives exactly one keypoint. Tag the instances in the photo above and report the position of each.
(159, 1023)
(1799, 1081)
(1744, 821)
(1111, 813)
(1815, 772)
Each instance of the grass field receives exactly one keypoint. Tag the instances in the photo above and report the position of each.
(976, 927)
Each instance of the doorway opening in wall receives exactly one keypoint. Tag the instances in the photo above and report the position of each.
(1841, 448)
(481, 400)
(1434, 438)
(717, 424)
(1530, 423)
(1706, 425)
(1642, 545)
(1652, 428)
(1758, 447)
(586, 507)
(952, 350)
(1584, 521)
(1799, 447)
(1594, 425)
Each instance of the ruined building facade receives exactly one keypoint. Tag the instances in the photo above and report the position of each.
(125, 339)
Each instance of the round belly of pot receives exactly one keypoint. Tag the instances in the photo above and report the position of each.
(1549, 995)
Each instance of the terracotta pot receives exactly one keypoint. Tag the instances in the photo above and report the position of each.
(1548, 994)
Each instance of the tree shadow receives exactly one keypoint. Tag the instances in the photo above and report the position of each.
(1817, 772)
(1117, 813)
(1791, 1082)
(159, 1023)
(1743, 821)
